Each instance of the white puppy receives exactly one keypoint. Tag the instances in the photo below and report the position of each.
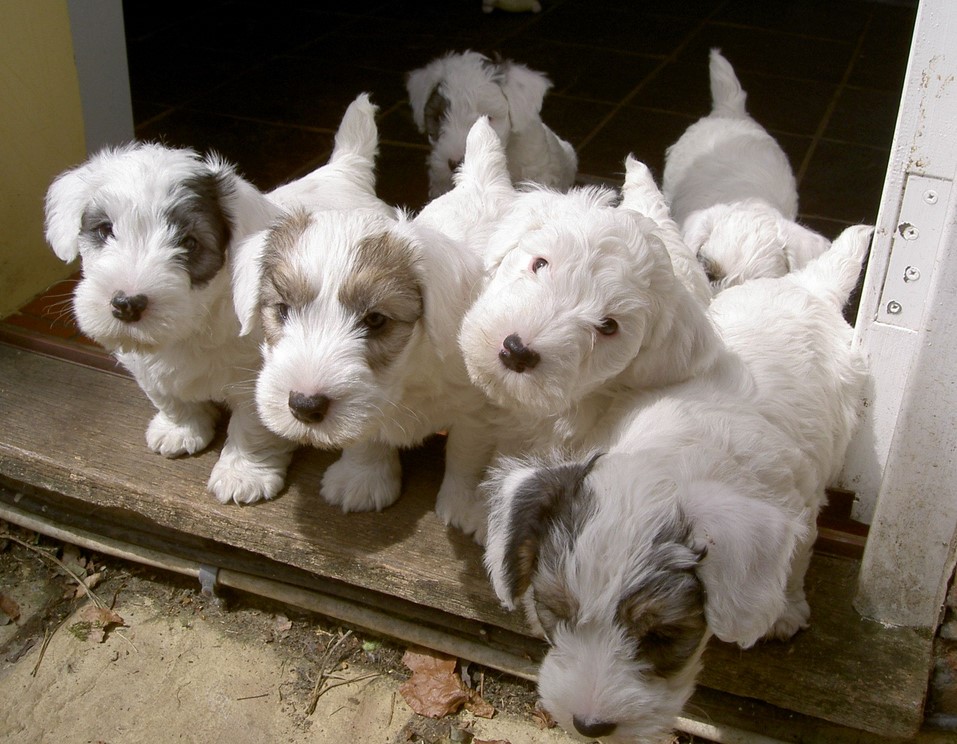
(157, 230)
(700, 517)
(581, 303)
(450, 93)
(360, 313)
(733, 193)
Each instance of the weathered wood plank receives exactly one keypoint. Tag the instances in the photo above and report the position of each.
(70, 430)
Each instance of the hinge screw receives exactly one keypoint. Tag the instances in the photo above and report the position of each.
(894, 307)
(911, 274)
(908, 231)
(930, 196)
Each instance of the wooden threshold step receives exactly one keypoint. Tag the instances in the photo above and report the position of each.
(72, 440)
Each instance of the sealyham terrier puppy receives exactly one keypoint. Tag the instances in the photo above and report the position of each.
(157, 231)
(698, 519)
(450, 93)
(582, 302)
(733, 193)
(359, 313)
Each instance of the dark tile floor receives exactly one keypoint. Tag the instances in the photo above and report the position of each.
(265, 84)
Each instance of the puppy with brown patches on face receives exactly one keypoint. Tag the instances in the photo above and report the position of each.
(359, 313)
(158, 229)
(699, 517)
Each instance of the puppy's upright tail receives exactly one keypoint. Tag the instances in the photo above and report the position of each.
(357, 134)
(485, 162)
(833, 275)
(727, 95)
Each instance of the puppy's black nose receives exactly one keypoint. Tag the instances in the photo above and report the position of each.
(517, 356)
(126, 308)
(593, 729)
(454, 164)
(310, 409)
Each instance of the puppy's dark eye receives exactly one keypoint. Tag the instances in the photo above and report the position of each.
(607, 327)
(103, 231)
(282, 310)
(538, 263)
(190, 243)
(374, 321)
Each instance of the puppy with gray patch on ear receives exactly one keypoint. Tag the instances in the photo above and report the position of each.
(700, 517)
(732, 191)
(360, 313)
(157, 230)
(448, 95)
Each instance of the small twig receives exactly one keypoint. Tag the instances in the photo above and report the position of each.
(47, 636)
(324, 672)
(89, 592)
(328, 687)
(252, 697)
(127, 640)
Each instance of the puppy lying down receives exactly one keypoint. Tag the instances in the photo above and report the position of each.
(697, 519)
(157, 230)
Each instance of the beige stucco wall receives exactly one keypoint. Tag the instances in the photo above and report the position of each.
(41, 133)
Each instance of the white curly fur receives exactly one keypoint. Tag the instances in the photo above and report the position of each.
(157, 229)
(360, 312)
(582, 302)
(699, 517)
(732, 191)
(448, 95)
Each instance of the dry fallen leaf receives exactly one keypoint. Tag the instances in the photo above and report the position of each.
(434, 690)
(93, 623)
(282, 624)
(543, 718)
(73, 560)
(9, 607)
(90, 582)
(478, 706)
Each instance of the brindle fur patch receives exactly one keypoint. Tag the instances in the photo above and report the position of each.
(548, 511)
(281, 284)
(203, 228)
(434, 113)
(383, 282)
(664, 612)
(94, 223)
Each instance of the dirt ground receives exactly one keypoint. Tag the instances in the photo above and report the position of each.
(151, 659)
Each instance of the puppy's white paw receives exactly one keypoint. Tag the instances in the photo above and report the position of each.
(463, 509)
(236, 478)
(362, 485)
(796, 617)
(187, 437)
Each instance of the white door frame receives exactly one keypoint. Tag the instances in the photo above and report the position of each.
(903, 462)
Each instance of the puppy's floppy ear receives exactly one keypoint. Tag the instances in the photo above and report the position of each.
(247, 273)
(421, 84)
(801, 245)
(524, 90)
(67, 197)
(749, 546)
(531, 505)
